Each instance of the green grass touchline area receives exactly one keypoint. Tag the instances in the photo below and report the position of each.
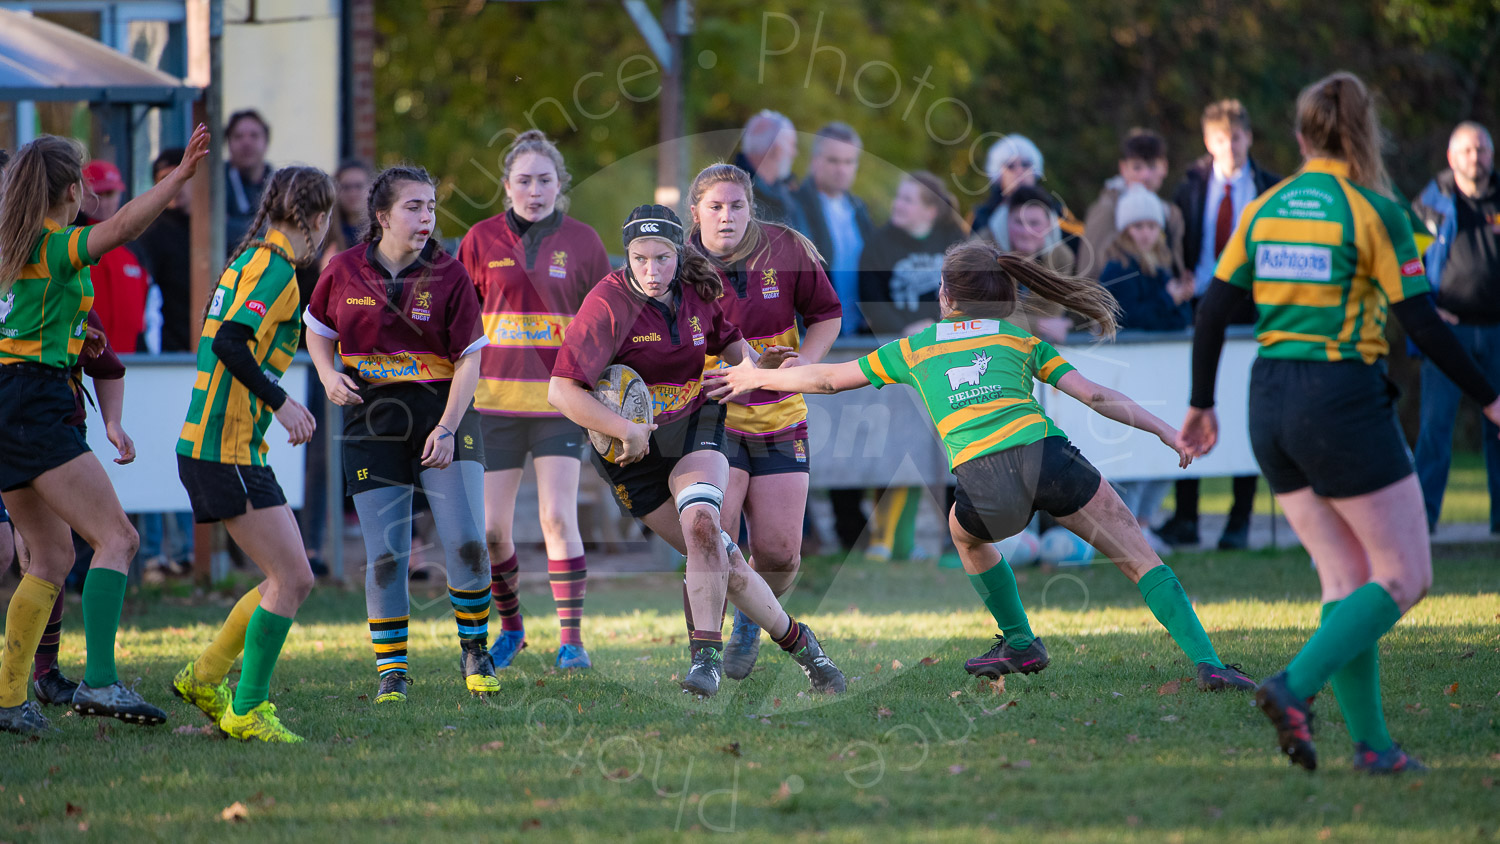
(1111, 743)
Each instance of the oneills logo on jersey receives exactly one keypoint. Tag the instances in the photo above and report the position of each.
(362, 300)
(646, 338)
(768, 288)
(559, 266)
(503, 262)
(697, 328)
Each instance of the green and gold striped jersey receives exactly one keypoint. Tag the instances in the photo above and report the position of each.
(1324, 259)
(977, 379)
(226, 423)
(44, 315)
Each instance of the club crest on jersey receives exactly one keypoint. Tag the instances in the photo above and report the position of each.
(961, 375)
(421, 307)
(768, 288)
(559, 266)
(697, 327)
(503, 262)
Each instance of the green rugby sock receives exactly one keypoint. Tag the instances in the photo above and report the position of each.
(1356, 686)
(997, 588)
(103, 600)
(1163, 594)
(1356, 624)
(264, 637)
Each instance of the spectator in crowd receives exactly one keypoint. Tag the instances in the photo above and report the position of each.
(1139, 274)
(352, 181)
(1015, 162)
(900, 268)
(1461, 208)
(169, 327)
(767, 151)
(1035, 231)
(246, 174)
(164, 249)
(1212, 195)
(1143, 161)
(120, 282)
(837, 221)
(899, 274)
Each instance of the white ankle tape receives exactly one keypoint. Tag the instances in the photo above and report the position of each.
(729, 546)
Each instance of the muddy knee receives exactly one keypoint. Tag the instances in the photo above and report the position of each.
(386, 569)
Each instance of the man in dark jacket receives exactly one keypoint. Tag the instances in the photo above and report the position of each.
(838, 222)
(1212, 196)
(1461, 208)
(767, 150)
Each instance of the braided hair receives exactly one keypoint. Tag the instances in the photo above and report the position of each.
(294, 196)
(385, 189)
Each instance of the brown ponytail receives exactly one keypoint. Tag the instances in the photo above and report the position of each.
(35, 180)
(1336, 118)
(294, 196)
(984, 282)
(693, 267)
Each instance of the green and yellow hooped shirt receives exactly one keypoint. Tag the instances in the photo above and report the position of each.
(977, 379)
(44, 316)
(226, 423)
(1324, 259)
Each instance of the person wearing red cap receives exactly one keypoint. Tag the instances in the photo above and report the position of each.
(120, 282)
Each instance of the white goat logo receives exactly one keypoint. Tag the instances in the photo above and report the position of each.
(960, 375)
(6, 305)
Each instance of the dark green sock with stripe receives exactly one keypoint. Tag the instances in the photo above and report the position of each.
(1166, 600)
(997, 588)
(1356, 686)
(264, 637)
(103, 600)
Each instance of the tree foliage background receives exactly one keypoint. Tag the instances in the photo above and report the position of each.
(456, 80)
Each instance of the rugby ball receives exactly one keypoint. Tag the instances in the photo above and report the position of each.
(1062, 547)
(622, 390)
(1023, 549)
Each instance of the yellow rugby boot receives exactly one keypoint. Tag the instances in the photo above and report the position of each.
(479, 671)
(212, 699)
(259, 723)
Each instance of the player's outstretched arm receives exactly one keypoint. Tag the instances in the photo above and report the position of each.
(818, 378)
(132, 219)
(1113, 404)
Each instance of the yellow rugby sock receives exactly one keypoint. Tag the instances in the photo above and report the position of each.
(214, 664)
(25, 619)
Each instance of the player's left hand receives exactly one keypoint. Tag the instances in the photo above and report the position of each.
(731, 382)
(121, 441)
(437, 452)
(776, 357)
(1200, 432)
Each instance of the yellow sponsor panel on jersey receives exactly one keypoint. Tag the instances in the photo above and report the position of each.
(545, 330)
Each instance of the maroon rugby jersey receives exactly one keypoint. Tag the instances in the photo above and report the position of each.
(763, 296)
(618, 325)
(530, 286)
(412, 328)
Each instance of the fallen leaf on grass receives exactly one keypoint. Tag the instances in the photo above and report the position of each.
(776, 703)
(1466, 655)
(543, 803)
(83, 826)
(494, 745)
(1451, 690)
(70, 810)
(882, 713)
(954, 694)
(235, 812)
(732, 748)
(1022, 764)
(1325, 833)
(896, 665)
(782, 793)
(531, 823)
(929, 660)
(955, 769)
(1487, 782)
(1171, 687)
(541, 682)
(996, 685)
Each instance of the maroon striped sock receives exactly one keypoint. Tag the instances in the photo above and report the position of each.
(569, 579)
(46, 650)
(791, 641)
(706, 639)
(503, 576)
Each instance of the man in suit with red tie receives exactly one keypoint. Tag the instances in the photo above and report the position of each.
(1212, 194)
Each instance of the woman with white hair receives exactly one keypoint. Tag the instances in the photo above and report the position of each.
(1014, 162)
